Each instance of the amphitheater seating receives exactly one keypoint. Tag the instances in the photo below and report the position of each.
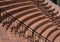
(37, 21)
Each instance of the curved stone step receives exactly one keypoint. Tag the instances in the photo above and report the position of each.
(35, 18)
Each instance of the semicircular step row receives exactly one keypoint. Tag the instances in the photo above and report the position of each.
(54, 29)
(25, 13)
(32, 17)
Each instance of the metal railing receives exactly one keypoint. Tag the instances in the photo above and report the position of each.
(32, 39)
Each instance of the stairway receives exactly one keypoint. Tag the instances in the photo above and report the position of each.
(36, 21)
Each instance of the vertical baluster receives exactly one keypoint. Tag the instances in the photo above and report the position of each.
(16, 27)
(37, 39)
(23, 30)
(19, 32)
(12, 27)
(31, 37)
(34, 36)
(26, 34)
(7, 19)
(5, 23)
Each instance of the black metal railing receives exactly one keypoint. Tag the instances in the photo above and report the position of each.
(32, 39)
